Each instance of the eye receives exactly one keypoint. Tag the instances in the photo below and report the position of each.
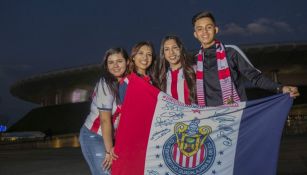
(199, 29)
(210, 27)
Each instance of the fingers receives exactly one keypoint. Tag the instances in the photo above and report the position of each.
(114, 156)
(107, 162)
(107, 165)
(293, 91)
(110, 156)
(294, 94)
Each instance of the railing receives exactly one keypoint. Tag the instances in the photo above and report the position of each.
(296, 125)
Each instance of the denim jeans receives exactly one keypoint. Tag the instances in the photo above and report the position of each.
(93, 150)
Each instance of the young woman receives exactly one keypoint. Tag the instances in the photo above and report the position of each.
(97, 150)
(142, 59)
(173, 73)
(141, 62)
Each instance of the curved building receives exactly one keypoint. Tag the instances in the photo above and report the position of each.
(64, 95)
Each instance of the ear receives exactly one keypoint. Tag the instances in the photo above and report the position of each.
(195, 34)
(216, 30)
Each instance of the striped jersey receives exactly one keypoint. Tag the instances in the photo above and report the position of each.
(102, 100)
(176, 86)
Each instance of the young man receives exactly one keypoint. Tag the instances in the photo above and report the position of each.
(220, 68)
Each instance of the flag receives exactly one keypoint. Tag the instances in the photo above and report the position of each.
(157, 135)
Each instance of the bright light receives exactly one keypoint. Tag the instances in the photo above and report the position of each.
(3, 128)
(79, 95)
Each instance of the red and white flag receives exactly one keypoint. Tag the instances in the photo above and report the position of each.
(157, 135)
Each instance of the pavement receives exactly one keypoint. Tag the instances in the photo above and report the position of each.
(293, 156)
(69, 160)
(59, 161)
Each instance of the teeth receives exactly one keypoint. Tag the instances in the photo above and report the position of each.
(173, 57)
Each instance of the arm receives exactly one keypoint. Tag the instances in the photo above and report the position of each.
(256, 77)
(106, 130)
(104, 102)
(245, 68)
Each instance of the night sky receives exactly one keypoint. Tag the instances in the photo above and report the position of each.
(39, 36)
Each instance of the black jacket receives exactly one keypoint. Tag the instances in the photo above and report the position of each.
(240, 69)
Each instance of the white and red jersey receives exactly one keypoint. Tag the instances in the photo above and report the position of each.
(176, 86)
(102, 100)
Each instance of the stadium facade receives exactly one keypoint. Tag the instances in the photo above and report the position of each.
(64, 95)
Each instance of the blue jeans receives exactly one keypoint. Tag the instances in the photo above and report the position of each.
(93, 150)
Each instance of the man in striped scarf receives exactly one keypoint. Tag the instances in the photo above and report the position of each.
(220, 68)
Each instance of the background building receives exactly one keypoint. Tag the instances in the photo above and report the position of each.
(64, 95)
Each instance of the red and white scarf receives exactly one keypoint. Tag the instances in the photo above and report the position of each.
(229, 92)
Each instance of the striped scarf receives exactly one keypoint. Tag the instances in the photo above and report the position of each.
(229, 92)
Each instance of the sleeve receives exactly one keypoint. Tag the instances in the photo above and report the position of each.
(103, 97)
(123, 88)
(245, 67)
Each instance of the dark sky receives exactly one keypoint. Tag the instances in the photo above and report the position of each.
(38, 36)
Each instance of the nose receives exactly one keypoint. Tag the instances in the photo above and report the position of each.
(116, 64)
(145, 57)
(205, 31)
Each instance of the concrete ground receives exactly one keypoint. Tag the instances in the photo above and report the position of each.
(293, 156)
(60, 161)
(69, 160)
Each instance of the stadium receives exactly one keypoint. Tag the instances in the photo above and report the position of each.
(64, 99)
(64, 94)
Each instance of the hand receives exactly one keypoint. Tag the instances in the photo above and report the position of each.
(114, 156)
(292, 90)
(110, 156)
(107, 162)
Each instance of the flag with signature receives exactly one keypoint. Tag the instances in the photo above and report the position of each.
(158, 135)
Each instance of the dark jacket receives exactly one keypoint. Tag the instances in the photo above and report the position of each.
(240, 69)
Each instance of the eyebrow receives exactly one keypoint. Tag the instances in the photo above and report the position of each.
(204, 26)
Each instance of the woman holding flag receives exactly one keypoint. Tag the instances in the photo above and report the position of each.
(141, 62)
(96, 138)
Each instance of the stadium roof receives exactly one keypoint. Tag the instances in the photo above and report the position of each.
(289, 60)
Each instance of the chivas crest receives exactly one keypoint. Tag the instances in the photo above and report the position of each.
(190, 150)
(191, 137)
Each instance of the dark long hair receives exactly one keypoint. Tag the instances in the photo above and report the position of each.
(109, 79)
(162, 66)
(134, 51)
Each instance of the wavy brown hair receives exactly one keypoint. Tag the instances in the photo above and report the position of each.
(163, 66)
(134, 51)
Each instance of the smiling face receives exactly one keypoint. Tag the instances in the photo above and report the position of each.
(117, 65)
(143, 59)
(205, 31)
(172, 53)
